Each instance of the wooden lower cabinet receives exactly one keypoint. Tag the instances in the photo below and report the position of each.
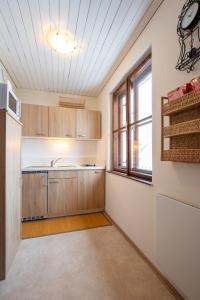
(34, 195)
(91, 189)
(69, 192)
(98, 183)
(62, 196)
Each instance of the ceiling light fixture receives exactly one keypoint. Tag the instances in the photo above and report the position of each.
(62, 42)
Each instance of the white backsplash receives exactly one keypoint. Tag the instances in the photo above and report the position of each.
(39, 152)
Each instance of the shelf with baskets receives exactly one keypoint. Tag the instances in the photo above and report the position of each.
(180, 137)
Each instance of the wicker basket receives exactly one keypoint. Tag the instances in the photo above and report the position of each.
(184, 130)
(189, 127)
(182, 155)
(186, 102)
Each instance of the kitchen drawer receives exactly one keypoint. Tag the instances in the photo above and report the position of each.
(62, 174)
(82, 172)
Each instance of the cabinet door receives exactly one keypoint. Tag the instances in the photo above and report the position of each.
(88, 124)
(62, 196)
(62, 122)
(91, 190)
(93, 124)
(81, 123)
(99, 191)
(97, 182)
(84, 190)
(34, 194)
(35, 120)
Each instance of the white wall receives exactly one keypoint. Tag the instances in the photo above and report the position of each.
(4, 76)
(46, 98)
(1, 74)
(132, 204)
(42, 151)
(178, 246)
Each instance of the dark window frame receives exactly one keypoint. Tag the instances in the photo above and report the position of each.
(141, 71)
(120, 129)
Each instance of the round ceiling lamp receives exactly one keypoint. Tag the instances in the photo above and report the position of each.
(62, 42)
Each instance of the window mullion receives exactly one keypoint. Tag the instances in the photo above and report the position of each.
(118, 148)
(127, 125)
(141, 120)
(135, 143)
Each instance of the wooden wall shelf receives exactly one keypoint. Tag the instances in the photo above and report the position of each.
(182, 135)
(188, 101)
(189, 127)
(182, 155)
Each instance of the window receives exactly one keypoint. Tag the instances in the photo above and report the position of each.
(132, 124)
(120, 130)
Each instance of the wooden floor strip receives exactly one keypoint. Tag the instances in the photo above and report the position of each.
(40, 228)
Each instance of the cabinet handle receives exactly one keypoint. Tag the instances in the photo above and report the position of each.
(68, 135)
(50, 182)
(82, 135)
(98, 172)
(40, 134)
(45, 181)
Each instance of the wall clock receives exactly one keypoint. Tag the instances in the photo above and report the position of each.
(188, 30)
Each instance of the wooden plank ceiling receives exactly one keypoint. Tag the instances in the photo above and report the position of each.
(102, 27)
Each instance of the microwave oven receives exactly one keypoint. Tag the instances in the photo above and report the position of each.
(9, 101)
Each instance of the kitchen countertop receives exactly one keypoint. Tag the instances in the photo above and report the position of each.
(61, 168)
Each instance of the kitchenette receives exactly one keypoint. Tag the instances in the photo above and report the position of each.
(51, 176)
(60, 172)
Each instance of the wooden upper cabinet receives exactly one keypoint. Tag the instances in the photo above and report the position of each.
(35, 120)
(88, 124)
(62, 122)
(81, 123)
(94, 124)
(54, 121)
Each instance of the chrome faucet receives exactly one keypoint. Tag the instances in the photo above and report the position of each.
(54, 161)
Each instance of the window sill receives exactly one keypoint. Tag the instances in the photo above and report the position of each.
(131, 177)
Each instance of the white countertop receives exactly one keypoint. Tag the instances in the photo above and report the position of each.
(61, 168)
